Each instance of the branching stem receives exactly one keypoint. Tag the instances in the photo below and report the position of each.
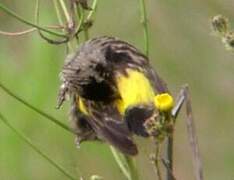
(16, 16)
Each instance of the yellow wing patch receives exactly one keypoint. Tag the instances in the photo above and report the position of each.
(134, 89)
(81, 106)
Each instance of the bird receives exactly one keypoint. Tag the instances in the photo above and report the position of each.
(111, 86)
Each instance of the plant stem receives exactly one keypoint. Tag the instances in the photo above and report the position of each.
(81, 15)
(169, 158)
(89, 17)
(132, 167)
(59, 16)
(86, 34)
(156, 161)
(65, 11)
(49, 117)
(35, 148)
(70, 24)
(94, 9)
(193, 140)
(119, 158)
(13, 14)
(17, 33)
(145, 26)
(125, 164)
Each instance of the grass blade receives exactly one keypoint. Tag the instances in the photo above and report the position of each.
(125, 164)
(49, 117)
(35, 148)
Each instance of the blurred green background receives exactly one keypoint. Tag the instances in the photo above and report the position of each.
(182, 49)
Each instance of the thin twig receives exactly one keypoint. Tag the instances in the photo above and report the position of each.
(36, 15)
(167, 167)
(78, 29)
(16, 16)
(59, 16)
(94, 9)
(156, 161)
(35, 148)
(20, 33)
(81, 14)
(169, 157)
(89, 17)
(144, 22)
(70, 25)
(66, 13)
(27, 31)
(193, 138)
(49, 117)
(169, 140)
(51, 41)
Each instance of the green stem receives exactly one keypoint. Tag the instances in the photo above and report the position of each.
(81, 20)
(49, 117)
(169, 151)
(89, 17)
(35, 148)
(36, 16)
(13, 14)
(59, 16)
(65, 11)
(81, 14)
(86, 34)
(125, 164)
(156, 161)
(69, 22)
(145, 26)
(132, 167)
(94, 9)
(169, 157)
(119, 158)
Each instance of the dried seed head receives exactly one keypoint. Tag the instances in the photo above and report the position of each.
(220, 24)
(159, 126)
(153, 125)
(228, 40)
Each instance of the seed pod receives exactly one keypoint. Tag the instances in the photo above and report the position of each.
(228, 40)
(220, 24)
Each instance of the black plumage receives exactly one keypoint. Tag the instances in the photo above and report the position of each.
(90, 75)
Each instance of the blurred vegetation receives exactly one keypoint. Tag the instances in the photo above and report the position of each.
(182, 50)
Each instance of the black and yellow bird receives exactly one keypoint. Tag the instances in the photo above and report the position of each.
(112, 87)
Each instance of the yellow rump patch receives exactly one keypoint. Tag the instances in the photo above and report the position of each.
(134, 89)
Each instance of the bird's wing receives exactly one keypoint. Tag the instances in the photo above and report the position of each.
(124, 56)
(109, 127)
(157, 82)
